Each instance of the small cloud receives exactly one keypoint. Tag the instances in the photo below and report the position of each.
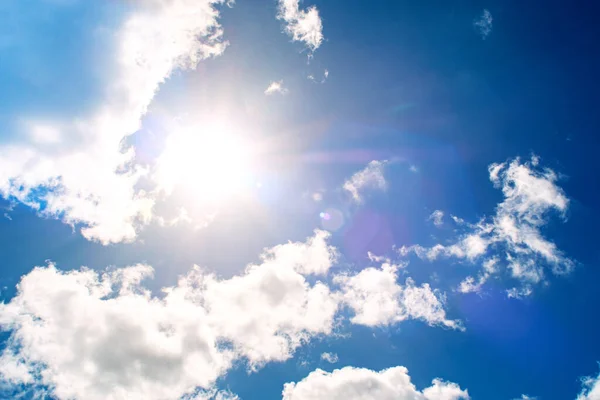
(457, 220)
(413, 168)
(371, 177)
(331, 358)
(437, 217)
(483, 24)
(276, 87)
(378, 300)
(302, 25)
(323, 79)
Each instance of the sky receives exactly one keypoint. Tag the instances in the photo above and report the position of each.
(285, 199)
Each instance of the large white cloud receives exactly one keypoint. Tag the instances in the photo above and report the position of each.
(351, 383)
(513, 236)
(85, 335)
(82, 335)
(370, 178)
(302, 25)
(76, 168)
(378, 300)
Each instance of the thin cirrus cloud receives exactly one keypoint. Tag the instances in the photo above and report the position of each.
(92, 180)
(351, 383)
(484, 24)
(372, 177)
(85, 335)
(302, 25)
(512, 239)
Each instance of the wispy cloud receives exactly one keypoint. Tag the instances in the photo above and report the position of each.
(302, 25)
(323, 79)
(352, 383)
(513, 236)
(483, 24)
(276, 87)
(372, 177)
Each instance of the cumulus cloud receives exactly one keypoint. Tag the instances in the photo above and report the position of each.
(437, 217)
(77, 168)
(513, 236)
(483, 24)
(377, 299)
(276, 87)
(302, 25)
(351, 383)
(370, 178)
(85, 335)
(331, 358)
(526, 397)
(88, 335)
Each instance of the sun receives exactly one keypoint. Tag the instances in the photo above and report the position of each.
(209, 163)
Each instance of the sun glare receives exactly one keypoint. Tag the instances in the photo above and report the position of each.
(208, 163)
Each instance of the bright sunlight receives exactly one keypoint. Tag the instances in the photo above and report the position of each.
(210, 163)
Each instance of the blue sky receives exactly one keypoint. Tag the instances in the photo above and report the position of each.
(274, 199)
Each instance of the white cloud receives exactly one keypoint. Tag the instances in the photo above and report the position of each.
(377, 299)
(483, 24)
(591, 388)
(87, 336)
(331, 358)
(276, 87)
(302, 25)
(526, 397)
(437, 217)
(472, 285)
(530, 195)
(372, 177)
(76, 168)
(351, 383)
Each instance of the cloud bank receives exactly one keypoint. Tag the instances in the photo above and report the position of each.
(86, 335)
